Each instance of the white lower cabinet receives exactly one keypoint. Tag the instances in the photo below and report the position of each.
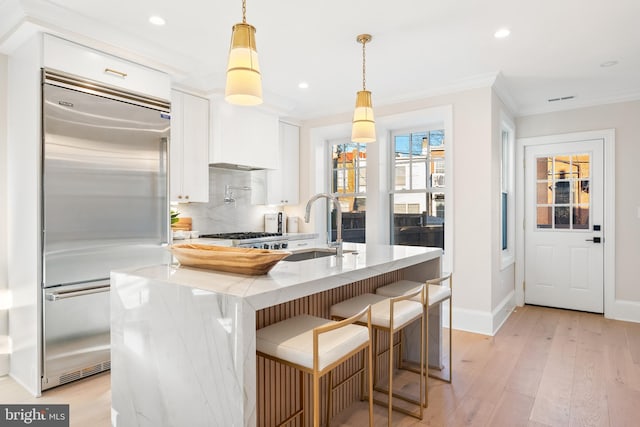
(283, 184)
(189, 161)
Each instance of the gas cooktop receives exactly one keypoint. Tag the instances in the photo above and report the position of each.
(240, 235)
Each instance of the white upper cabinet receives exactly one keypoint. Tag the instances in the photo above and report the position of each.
(283, 184)
(69, 57)
(243, 137)
(189, 167)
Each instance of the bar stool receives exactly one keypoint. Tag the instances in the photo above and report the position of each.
(315, 346)
(437, 293)
(390, 315)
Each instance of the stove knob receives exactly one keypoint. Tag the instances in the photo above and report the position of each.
(284, 245)
(276, 246)
(265, 246)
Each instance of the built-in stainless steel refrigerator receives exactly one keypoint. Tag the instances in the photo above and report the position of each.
(104, 207)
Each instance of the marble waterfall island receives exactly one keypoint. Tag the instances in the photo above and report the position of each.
(183, 339)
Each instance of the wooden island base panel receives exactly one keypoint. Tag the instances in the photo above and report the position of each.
(278, 385)
(183, 340)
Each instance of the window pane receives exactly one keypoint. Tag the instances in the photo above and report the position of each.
(561, 217)
(418, 219)
(581, 217)
(581, 192)
(362, 180)
(581, 165)
(544, 217)
(402, 181)
(562, 192)
(562, 165)
(419, 175)
(353, 219)
(543, 167)
(545, 195)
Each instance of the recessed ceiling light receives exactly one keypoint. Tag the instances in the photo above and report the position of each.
(157, 20)
(502, 33)
(303, 85)
(609, 63)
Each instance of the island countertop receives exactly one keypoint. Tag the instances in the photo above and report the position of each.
(290, 280)
(183, 340)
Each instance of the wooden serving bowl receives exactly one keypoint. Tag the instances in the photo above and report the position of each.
(232, 260)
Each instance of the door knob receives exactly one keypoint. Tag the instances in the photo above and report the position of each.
(594, 240)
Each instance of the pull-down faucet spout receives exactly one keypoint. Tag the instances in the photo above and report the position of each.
(336, 203)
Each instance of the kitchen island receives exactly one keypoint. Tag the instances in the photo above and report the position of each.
(183, 339)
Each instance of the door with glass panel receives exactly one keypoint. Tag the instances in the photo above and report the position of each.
(564, 237)
(418, 190)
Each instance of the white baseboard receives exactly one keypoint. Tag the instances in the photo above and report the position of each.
(502, 312)
(480, 322)
(628, 311)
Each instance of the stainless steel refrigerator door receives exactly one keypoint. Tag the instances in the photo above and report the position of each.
(76, 332)
(105, 195)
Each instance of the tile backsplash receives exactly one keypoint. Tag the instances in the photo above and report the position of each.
(246, 213)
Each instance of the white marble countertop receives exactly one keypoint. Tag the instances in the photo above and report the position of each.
(291, 280)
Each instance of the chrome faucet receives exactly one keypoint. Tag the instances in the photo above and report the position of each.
(336, 203)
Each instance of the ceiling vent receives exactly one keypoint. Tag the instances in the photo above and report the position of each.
(564, 98)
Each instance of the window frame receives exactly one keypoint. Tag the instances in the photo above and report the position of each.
(507, 184)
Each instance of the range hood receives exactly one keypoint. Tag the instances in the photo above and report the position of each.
(235, 167)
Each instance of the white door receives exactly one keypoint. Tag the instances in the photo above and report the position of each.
(564, 237)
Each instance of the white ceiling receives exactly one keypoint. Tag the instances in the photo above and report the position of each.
(419, 47)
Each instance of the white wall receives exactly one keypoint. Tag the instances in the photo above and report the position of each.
(4, 294)
(474, 204)
(624, 118)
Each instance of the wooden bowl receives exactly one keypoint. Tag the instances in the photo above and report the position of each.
(232, 260)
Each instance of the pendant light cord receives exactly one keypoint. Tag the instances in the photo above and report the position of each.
(364, 69)
(244, 11)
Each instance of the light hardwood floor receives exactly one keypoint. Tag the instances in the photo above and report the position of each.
(545, 367)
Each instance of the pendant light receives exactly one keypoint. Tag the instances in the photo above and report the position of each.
(364, 126)
(244, 83)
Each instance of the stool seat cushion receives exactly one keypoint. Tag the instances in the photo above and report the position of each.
(404, 312)
(292, 340)
(437, 293)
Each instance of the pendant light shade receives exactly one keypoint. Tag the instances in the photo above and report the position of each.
(364, 126)
(244, 83)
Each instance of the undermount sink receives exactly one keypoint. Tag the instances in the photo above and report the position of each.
(311, 253)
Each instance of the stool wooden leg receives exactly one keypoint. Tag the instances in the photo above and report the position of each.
(316, 399)
(330, 390)
(369, 350)
(390, 415)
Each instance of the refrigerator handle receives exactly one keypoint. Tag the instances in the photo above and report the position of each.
(99, 287)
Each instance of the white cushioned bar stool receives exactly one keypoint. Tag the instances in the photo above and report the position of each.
(315, 346)
(437, 292)
(389, 315)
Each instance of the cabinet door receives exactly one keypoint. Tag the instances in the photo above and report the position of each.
(63, 55)
(195, 154)
(189, 148)
(175, 147)
(283, 183)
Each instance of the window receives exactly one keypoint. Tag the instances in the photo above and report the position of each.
(507, 184)
(562, 195)
(349, 184)
(418, 188)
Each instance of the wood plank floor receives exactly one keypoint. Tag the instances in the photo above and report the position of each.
(544, 368)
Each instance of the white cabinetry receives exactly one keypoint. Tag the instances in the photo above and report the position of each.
(283, 184)
(69, 57)
(189, 180)
(243, 137)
